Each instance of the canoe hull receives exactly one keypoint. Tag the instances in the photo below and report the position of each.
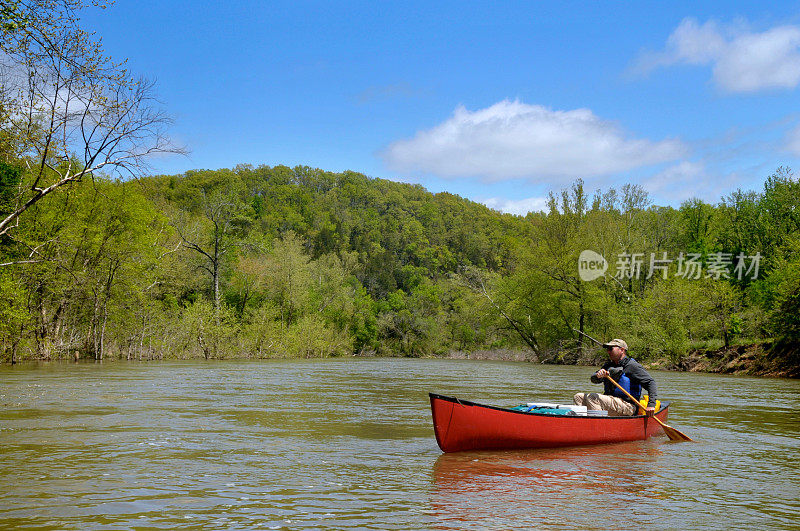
(461, 425)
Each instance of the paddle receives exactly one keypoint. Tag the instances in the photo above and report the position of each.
(672, 433)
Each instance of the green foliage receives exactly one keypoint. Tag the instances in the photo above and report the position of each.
(664, 319)
(10, 178)
(13, 314)
(661, 313)
(697, 235)
(786, 312)
(279, 262)
(104, 118)
(210, 330)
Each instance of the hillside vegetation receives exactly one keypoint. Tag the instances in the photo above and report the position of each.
(279, 262)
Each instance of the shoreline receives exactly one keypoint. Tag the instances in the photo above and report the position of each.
(743, 360)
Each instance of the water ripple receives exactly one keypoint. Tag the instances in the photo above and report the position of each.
(348, 444)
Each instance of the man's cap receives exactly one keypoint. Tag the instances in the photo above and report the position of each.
(616, 343)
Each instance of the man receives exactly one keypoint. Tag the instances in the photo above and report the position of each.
(629, 374)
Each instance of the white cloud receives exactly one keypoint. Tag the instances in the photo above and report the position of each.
(766, 60)
(512, 139)
(686, 180)
(681, 181)
(695, 44)
(742, 61)
(793, 141)
(519, 207)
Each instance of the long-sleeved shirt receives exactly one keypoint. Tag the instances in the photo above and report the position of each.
(634, 370)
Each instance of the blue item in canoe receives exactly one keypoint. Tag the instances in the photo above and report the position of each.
(542, 410)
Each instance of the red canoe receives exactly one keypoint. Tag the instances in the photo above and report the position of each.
(462, 425)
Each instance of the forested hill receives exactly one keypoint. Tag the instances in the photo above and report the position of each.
(252, 262)
(276, 261)
(396, 232)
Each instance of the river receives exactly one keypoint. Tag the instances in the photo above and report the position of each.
(348, 443)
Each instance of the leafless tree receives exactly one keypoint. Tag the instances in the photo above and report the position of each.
(222, 212)
(68, 111)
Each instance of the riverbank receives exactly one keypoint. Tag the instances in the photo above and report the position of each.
(758, 359)
(753, 360)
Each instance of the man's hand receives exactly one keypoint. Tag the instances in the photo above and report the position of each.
(650, 411)
(602, 373)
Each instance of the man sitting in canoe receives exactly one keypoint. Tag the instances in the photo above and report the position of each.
(629, 374)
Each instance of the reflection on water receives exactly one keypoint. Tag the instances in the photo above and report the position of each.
(296, 444)
(537, 487)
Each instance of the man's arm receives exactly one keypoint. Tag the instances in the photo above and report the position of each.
(596, 379)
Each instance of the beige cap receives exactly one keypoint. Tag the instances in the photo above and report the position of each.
(616, 343)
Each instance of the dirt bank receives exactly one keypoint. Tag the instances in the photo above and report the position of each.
(497, 355)
(754, 360)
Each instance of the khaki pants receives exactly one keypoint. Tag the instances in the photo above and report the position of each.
(616, 407)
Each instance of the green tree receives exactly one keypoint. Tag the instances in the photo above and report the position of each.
(785, 312)
(698, 226)
(289, 277)
(13, 313)
(213, 330)
(223, 225)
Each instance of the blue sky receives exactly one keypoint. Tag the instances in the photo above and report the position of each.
(499, 102)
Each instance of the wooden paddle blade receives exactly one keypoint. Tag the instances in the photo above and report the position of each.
(673, 434)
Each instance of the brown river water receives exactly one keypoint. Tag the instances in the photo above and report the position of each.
(348, 443)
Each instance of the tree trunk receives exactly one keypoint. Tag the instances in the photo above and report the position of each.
(93, 331)
(216, 291)
(103, 329)
(203, 346)
(42, 351)
(141, 338)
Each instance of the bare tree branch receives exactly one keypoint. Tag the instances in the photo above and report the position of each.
(61, 96)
